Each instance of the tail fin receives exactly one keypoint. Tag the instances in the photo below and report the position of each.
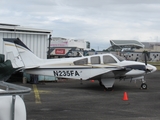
(19, 54)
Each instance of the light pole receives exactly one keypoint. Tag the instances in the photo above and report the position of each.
(49, 46)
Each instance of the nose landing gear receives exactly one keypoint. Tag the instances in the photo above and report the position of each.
(143, 85)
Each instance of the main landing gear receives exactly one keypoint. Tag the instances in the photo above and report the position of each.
(107, 84)
(109, 89)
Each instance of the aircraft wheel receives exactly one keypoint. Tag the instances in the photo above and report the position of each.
(144, 86)
(109, 89)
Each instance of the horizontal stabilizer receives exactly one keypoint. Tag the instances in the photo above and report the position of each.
(30, 67)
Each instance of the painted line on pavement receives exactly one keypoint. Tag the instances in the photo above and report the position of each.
(36, 93)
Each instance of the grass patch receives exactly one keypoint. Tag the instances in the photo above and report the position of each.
(156, 64)
(158, 67)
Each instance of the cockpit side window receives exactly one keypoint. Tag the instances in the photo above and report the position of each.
(108, 59)
(119, 57)
(81, 62)
(95, 60)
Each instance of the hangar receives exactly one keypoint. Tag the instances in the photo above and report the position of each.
(35, 39)
(119, 45)
(133, 49)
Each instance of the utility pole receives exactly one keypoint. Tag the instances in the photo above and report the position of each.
(49, 47)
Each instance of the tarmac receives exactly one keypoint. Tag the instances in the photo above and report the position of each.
(71, 100)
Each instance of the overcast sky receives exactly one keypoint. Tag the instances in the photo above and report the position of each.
(97, 21)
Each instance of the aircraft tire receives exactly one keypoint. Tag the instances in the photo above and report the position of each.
(144, 86)
(109, 89)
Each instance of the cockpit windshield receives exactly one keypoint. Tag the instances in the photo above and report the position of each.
(119, 57)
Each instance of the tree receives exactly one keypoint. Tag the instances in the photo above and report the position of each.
(92, 49)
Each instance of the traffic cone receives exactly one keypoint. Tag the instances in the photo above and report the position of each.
(125, 96)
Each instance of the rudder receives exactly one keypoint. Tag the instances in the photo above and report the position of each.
(19, 54)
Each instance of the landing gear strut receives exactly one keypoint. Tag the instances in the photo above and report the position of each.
(143, 85)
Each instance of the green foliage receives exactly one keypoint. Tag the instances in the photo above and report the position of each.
(92, 49)
(146, 52)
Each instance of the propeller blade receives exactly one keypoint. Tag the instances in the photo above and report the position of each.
(145, 58)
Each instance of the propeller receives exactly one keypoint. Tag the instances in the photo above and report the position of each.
(145, 59)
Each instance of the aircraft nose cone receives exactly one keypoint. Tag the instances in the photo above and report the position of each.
(151, 68)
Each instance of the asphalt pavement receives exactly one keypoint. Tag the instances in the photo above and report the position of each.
(71, 100)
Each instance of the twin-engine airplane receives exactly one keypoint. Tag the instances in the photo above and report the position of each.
(105, 68)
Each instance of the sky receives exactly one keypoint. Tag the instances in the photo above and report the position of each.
(96, 21)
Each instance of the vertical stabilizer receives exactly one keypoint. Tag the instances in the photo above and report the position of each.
(19, 54)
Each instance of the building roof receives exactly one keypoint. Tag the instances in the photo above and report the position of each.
(5, 24)
(127, 44)
(11, 28)
(149, 45)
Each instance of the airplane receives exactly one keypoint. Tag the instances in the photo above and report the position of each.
(106, 68)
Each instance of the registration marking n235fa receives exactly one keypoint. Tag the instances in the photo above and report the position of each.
(59, 73)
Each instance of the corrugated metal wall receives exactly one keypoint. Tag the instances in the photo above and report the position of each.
(38, 43)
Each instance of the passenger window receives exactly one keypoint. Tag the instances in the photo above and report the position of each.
(108, 59)
(81, 62)
(95, 60)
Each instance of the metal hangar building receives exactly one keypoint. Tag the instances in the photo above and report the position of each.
(35, 39)
(118, 45)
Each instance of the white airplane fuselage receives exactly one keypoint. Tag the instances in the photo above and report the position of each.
(65, 68)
